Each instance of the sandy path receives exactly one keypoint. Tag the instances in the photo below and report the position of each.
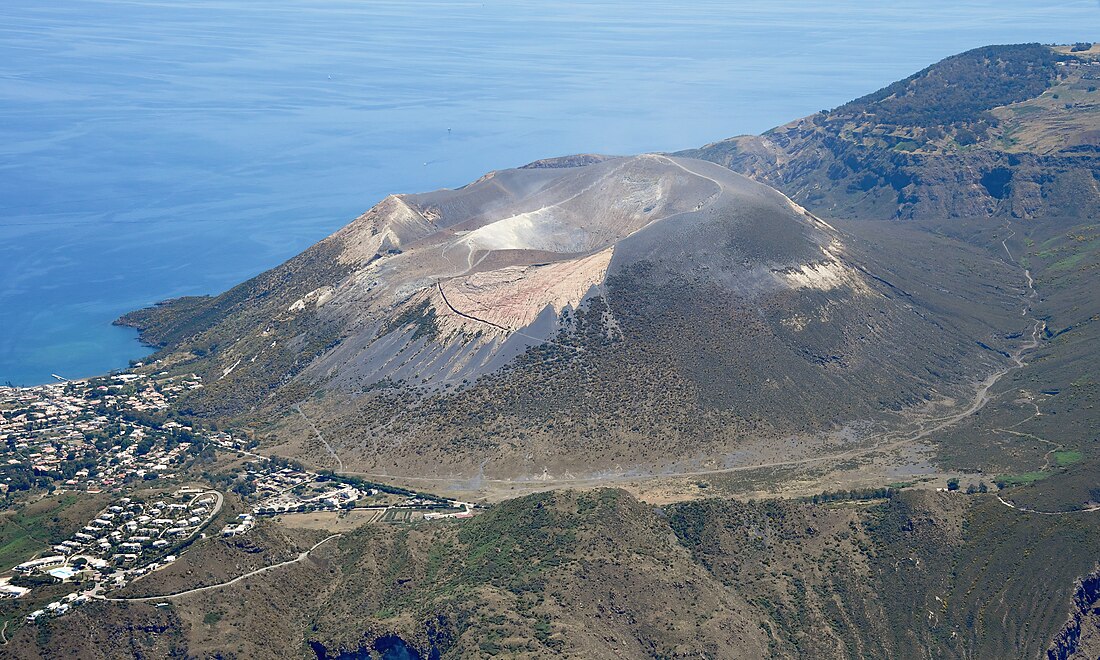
(1017, 507)
(331, 451)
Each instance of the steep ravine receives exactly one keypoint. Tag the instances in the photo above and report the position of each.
(1080, 637)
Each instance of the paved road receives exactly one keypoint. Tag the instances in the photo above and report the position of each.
(301, 557)
(198, 532)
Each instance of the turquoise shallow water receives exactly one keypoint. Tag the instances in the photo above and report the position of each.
(156, 149)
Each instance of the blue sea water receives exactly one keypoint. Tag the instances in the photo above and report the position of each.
(157, 148)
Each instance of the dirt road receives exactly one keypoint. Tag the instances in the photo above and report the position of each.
(301, 557)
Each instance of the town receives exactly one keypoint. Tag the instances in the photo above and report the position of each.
(164, 483)
(128, 539)
(92, 435)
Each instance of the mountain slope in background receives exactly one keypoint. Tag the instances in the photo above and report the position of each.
(1004, 131)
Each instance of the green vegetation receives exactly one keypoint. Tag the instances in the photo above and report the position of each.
(421, 317)
(1068, 262)
(17, 545)
(364, 484)
(975, 114)
(37, 525)
(1078, 249)
(868, 578)
(961, 89)
(855, 495)
(1067, 457)
(1009, 480)
(196, 333)
(517, 544)
(556, 574)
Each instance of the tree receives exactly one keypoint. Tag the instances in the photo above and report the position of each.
(952, 484)
(244, 488)
(145, 446)
(965, 137)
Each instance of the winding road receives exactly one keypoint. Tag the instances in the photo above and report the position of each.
(889, 439)
(1032, 293)
(140, 599)
(1010, 504)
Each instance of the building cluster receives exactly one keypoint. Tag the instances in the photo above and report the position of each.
(464, 511)
(338, 496)
(126, 540)
(9, 590)
(92, 434)
(128, 531)
(41, 426)
(271, 481)
(223, 440)
(101, 434)
(289, 489)
(59, 607)
(243, 524)
(1089, 70)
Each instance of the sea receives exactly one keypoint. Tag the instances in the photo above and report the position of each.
(158, 148)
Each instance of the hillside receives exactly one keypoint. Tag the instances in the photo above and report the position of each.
(644, 315)
(602, 575)
(999, 131)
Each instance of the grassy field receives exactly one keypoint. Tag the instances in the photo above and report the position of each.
(1021, 479)
(35, 526)
(1067, 457)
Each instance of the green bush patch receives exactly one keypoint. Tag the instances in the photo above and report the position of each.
(1068, 262)
(1067, 457)
(1021, 479)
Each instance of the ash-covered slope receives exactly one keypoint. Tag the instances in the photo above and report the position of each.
(589, 314)
(450, 285)
(509, 258)
(1005, 131)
